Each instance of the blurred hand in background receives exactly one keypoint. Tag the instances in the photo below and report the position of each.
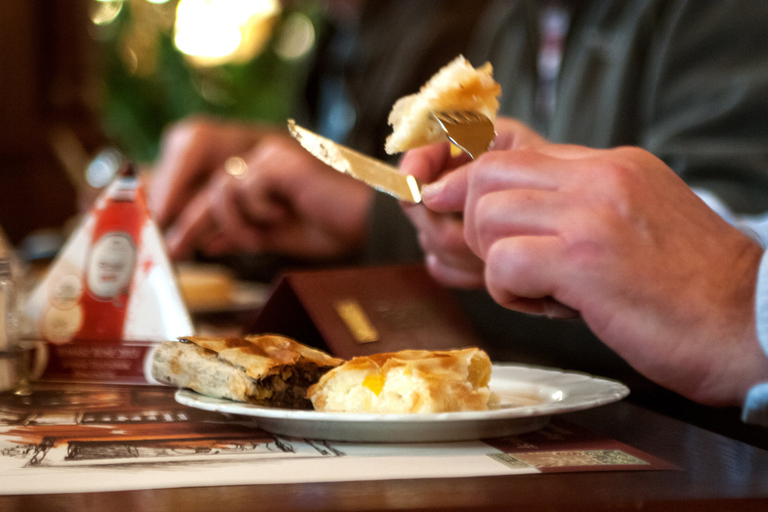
(223, 187)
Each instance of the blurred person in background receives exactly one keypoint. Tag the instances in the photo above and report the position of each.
(684, 80)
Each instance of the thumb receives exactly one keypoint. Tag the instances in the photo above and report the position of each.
(425, 163)
(447, 194)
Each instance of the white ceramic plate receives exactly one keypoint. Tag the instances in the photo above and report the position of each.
(529, 396)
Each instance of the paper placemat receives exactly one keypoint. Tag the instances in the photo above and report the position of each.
(96, 438)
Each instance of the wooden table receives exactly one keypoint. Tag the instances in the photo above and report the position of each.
(716, 473)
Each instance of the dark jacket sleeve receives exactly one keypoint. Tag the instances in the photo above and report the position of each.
(392, 238)
(685, 79)
(706, 106)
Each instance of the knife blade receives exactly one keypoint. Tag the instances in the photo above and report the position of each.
(373, 172)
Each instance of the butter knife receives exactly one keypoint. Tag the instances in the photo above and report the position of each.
(373, 172)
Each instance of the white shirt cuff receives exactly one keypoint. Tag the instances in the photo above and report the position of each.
(756, 404)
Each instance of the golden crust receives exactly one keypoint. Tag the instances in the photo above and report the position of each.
(457, 86)
(264, 354)
(409, 381)
(266, 370)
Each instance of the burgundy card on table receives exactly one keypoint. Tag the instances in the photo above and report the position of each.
(366, 310)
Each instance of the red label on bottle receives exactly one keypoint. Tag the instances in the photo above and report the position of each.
(111, 264)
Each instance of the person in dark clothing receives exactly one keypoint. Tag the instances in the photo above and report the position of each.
(685, 80)
(373, 54)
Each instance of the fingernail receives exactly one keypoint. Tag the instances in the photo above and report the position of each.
(432, 189)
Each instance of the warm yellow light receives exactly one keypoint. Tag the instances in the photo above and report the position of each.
(213, 32)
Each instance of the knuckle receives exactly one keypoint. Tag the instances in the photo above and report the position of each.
(486, 220)
(188, 126)
(498, 257)
(188, 132)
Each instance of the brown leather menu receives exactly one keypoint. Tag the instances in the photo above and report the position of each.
(366, 310)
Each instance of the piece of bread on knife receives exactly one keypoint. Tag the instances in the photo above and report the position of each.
(265, 370)
(409, 381)
(456, 86)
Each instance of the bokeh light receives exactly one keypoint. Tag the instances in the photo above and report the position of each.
(297, 37)
(214, 32)
(104, 12)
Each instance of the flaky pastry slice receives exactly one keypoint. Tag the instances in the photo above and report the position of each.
(456, 86)
(409, 381)
(265, 370)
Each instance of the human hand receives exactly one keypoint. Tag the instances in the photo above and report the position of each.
(441, 235)
(285, 202)
(192, 151)
(619, 237)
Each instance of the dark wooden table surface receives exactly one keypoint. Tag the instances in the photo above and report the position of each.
(715, 473)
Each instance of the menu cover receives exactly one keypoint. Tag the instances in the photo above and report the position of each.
(110, 296)
(366, 310)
